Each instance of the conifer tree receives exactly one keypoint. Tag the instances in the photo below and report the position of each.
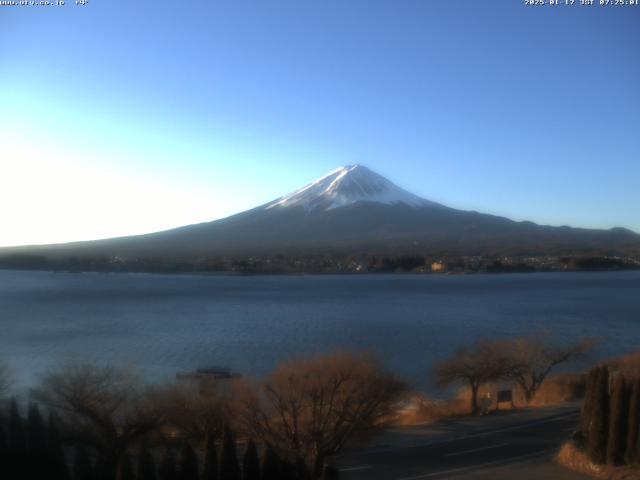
(631, 452)
(56, 461)
(17, 462)
(270, 465)
(4, 450)
(229, 465)
(330, 473)
(251, 462)
(168, 467)
(586, 413)
(210, 469)
(287, 470)
(188, 463)
(105, 469)
(125, 470)
(146, 465)
(36, 436)
(302, 472)
(598, 431)
(82, 467)
(617, 422)
(36, 443)
(17, 439)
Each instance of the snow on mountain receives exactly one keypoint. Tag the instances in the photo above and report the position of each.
(348, 185)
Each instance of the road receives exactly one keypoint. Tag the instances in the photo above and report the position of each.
(512, 445)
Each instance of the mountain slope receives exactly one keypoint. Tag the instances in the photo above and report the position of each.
(352, 210)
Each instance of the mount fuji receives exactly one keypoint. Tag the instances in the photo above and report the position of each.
(351, 210)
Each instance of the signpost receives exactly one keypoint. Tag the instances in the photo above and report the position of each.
(504, 396)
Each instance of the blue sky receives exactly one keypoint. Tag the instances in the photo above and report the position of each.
(124, 117)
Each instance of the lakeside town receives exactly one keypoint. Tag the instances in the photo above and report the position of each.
(326, 264)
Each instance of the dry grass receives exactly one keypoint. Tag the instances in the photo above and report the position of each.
(420, 409)
(558, 389)
(574, 458)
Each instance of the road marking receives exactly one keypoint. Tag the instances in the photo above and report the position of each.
(521, 461)
(479, 449)
(499, 463)
(353, 469)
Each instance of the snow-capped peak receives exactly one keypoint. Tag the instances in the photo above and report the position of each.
(348, 185)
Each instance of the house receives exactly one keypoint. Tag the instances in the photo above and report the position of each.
(438, 267)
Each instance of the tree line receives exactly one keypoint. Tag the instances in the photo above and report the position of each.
(112, 427)
(104, 423)
(298, 262)
(33, 449)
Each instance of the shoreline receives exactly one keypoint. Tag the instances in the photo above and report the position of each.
(232, 273)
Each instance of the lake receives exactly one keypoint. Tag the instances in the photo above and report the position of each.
(164, 324)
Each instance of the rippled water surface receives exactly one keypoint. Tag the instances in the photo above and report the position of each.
(164, 324)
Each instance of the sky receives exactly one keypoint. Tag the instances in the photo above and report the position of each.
(121, 117)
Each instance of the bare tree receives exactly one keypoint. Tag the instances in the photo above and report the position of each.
(195, 414)
(531, 359)
(310, 409)
(104, 407)
(480, 363)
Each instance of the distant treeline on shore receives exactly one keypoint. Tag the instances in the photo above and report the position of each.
(323, 264)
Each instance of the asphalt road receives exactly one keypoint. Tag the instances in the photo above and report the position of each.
(510, 445)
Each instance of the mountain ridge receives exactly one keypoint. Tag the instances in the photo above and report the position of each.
(350, 210)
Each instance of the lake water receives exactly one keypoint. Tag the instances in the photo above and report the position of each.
(164, 324)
